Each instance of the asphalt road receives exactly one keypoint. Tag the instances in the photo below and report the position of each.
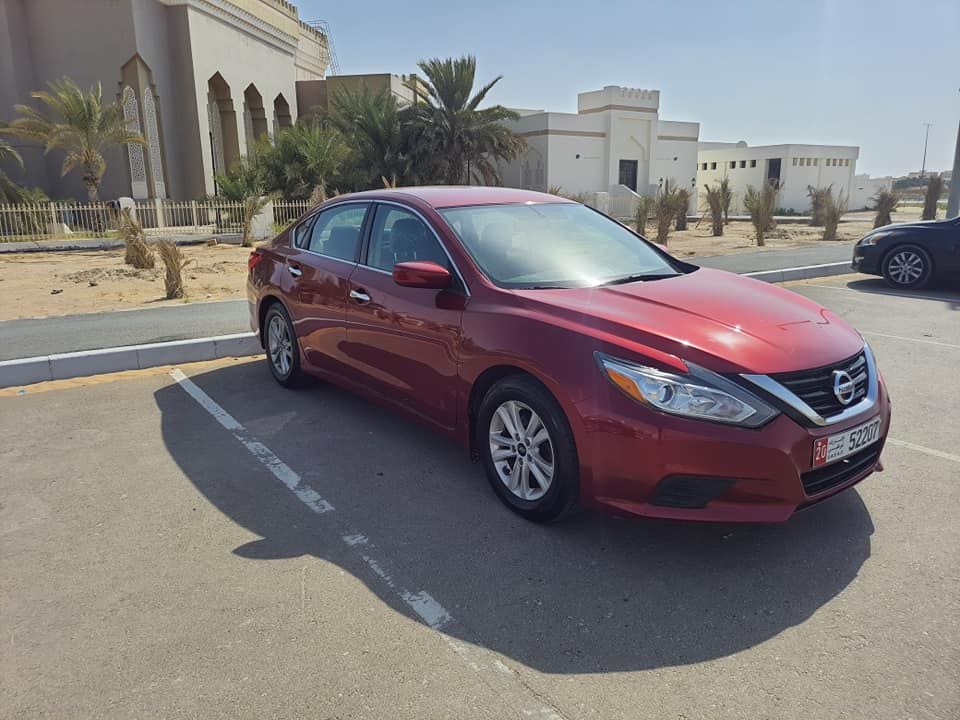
(305, 554)
(71, 333)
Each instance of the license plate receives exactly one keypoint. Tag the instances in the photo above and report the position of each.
(836, 447)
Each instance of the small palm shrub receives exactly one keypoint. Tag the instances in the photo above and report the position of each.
(173, 263)
(932, 197)
(819, 198)
(665, 206)
(138, 253)
(644, 210)
(885, 202)
(834, 208)
(761, 205)
(715, 208)
(726, 199)
(683, 203)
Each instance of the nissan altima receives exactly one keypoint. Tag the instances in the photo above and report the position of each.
(581, 364)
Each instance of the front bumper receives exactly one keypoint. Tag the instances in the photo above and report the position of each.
(634, 460)
(866, 259)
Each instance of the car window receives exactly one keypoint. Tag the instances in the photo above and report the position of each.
(397, 236)
(336, 232)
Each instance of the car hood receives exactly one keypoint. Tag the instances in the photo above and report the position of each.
(723, 321)
(917, 225)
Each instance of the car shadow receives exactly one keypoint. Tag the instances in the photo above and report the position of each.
(592, 594)
(945, 290)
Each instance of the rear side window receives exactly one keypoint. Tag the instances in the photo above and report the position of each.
(336, 232)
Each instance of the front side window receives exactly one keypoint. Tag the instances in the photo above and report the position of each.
(336, 231)
(554, 245)
(398, 236)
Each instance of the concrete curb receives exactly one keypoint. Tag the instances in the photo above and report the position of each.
(807, 272)
(26, 371)
(28, 246)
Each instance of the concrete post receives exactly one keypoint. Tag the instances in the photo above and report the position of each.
(158, 204)
(953, 204)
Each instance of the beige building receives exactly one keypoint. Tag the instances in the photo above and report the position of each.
(315, 96)
(200, 79)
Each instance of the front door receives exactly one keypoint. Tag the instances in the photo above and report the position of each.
(316, 282)
(402, 342)
(628, 174)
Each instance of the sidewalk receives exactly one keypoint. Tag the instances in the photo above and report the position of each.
(73, 333)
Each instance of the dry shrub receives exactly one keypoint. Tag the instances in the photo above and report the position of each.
(819, 198)
(885, 202)
(683, 203)
(932, 197)
(644, 209)
(715, 208)
(174, 263)
(726, 199)
(138, 253)
(319, 195)
(833, 210)
(761, 204)
(665, 206)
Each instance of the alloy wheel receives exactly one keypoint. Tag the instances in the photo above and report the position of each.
(280, 345)
(522, 450)
(905, 267)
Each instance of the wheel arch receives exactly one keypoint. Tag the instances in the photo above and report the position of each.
(481, 386)
(266, 302)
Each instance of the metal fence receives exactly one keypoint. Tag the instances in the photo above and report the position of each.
(75, 221)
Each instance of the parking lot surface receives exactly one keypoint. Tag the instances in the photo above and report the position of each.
(202, 543)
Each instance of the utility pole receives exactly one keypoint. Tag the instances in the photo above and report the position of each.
(926, 137)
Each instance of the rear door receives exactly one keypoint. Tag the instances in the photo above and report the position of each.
(325, 248)
(403, 342)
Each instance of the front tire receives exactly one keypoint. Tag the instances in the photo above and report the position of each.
(283, 350)
(907, 267)
(528, 450)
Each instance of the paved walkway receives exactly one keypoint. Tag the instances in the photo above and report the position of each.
(71, 333)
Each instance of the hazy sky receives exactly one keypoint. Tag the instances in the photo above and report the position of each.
(848, 72)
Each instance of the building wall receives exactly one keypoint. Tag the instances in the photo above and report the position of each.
(865, 187)
(584, 149)
(801, 165)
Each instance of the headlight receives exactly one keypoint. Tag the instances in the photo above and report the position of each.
(871, 239)
(702, 394)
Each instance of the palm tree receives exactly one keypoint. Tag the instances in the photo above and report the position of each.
(726, 198)
(715, 207)
(761, 204)
(10, 192)
(932, 197)
(372, 123)
(244, 184)
(300, 159)
(454, 139)
(79, 124)
(820, 199)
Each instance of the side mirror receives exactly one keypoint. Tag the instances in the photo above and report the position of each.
(422, 274)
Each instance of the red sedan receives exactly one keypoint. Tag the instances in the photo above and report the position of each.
(579, 362)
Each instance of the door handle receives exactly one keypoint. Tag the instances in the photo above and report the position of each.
(359, 296)
(295, 270)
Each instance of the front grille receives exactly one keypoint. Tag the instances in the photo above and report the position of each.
(815, 387)
(824, 478)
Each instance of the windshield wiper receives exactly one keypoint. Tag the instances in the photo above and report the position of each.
(639, 277)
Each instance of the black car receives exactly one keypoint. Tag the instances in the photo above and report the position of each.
(911, 254)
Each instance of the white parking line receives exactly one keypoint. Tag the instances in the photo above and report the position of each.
(503, 681)
(920, 448)
(909, 339)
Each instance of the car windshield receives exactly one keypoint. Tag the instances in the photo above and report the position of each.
(551, 245)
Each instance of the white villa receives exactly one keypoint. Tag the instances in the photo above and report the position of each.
(615, 143)
(792, 167)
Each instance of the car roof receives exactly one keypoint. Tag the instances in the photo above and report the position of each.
(443, 196)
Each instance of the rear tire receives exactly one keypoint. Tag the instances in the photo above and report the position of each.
(283, 349)
(528, 450)
(907, 267)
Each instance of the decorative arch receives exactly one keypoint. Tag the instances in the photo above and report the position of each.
(223, 124)
(254, 115)
(138, 167)
(153, 143)
(281, 113)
